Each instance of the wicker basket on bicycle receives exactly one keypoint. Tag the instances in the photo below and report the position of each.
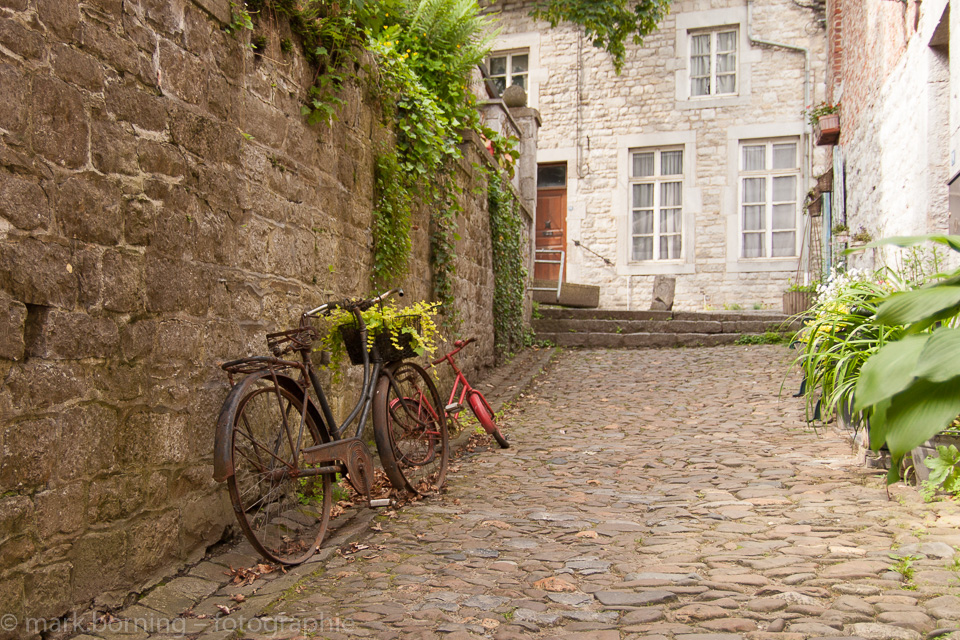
(392, 342)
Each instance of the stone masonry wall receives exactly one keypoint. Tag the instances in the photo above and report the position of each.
(895, 120)
(643, 101)
(163, 205)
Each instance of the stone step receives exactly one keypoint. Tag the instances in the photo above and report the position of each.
(661, 325)
(633, 340)
(555, 313)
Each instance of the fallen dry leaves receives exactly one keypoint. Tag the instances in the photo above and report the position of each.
(554, 584)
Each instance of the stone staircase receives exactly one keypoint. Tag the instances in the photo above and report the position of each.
(599, 328)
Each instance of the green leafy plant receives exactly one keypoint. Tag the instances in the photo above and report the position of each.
(824, 108)
(911, 387)
(840, 228)
(390, 318)
(944, 472)
(607, 23)
(510, 274)
(862, 235)
(904, 566)
(768, 337)
(806, 288)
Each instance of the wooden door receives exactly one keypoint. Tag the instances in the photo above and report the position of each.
(551, 230)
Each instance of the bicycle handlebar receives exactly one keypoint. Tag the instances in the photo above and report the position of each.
(459, 344)
(353, 303)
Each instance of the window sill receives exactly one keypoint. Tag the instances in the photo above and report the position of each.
(710, 102)
(655, 268)
(749, 265)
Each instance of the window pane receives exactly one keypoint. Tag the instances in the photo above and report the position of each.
(699, 66)
(784, 244)
(670, 221)
(753, 218)
(671, 194)
(754, 158)
(700, 87)
(785, 189)
(642, 222)
(753, 190)
(642, 165)
(726, 41)
(500, 83)
(643, 248)
(726, 63)
(520, 81)
(642, 196)
(726, 84)
(753, 245)
(498, 66)
(671, 163)
(785, 156)
(673, 248)
(784, 216)
(518, 63)
(700, 45)
(552, 175)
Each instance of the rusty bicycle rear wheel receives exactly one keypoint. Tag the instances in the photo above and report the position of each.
(409, 425)
(282, 509)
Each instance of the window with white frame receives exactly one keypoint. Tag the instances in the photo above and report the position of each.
(509, 68)
(713, 62)
(769, 194)
(656, 203)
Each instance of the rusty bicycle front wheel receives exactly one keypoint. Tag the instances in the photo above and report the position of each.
(281, 507)
(409, 425)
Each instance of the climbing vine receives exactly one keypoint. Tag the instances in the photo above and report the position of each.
(509, 273)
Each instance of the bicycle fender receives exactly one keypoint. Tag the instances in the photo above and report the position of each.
(223, 441)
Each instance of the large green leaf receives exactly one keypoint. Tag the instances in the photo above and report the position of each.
(913, 306)
(920, 412)
(940, 359)
(889, 371)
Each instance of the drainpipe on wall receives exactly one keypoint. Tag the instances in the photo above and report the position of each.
(807, 169)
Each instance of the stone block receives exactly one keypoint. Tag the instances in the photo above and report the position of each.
(153, 439)
(184, 74)
(88, 207)
(11, 593)
(153, 542)
(13, 316)
(212, 140)
(60, 510)
(87, 443)
(178, 340)
(205, 517)
(137, 339)
(47, 591)
(113, 149)
(24, 203)
(77, 68)
(59, 126)
(190, 296)
(161, 158)
(99, 562)
(72, 336)
(26, 461)
(17, 516)
(16, 550)
(62, 17)
(664, 288)
(115, 498)
(139, 214)
(164, 14)
(13, 89)
(111, 49)
(136, 106)
(39, 385)
(123, 281)
(24, 42)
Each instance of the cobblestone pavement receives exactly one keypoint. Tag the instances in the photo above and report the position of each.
(656, 494)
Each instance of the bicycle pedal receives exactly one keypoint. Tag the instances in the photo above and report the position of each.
(454, 407)
(382, 502)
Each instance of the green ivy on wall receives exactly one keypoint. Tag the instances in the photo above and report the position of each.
(510, 274)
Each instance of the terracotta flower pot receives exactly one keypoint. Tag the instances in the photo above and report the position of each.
(827, 129)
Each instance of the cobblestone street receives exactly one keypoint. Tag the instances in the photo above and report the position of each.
(657, 494)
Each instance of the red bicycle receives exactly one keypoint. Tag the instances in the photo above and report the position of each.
(475, 400)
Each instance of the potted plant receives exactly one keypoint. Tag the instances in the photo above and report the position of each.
(825, 119)
(397, 332)
(841, 233)
(799, 297)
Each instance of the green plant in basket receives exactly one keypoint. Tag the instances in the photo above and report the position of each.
(414, 327)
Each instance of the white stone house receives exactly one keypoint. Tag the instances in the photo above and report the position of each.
(694, 162)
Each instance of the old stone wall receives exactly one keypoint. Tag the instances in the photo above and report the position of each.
(895, 119)
(592, 117)
(163, 205)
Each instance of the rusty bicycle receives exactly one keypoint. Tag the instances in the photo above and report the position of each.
(475, 400)
(280, 449)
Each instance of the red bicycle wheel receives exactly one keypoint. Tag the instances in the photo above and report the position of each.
(481, 409)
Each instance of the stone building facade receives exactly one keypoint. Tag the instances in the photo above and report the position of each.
(163, 205)
(899, 148)
(671, 167)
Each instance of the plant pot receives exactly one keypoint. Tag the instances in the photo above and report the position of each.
(795, 302)
(827, 130)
